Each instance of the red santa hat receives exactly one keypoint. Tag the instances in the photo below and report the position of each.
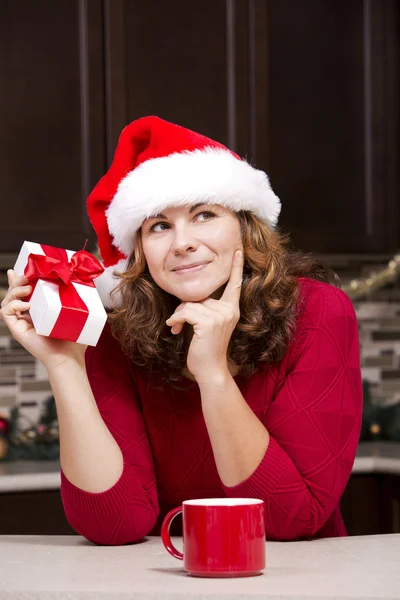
(157, 165)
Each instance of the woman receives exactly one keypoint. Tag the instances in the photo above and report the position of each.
(218, 373)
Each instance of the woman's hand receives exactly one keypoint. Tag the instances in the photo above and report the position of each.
(213, 324)
(14, 312)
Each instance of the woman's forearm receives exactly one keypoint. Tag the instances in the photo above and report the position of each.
(90, 457)
(238, 438)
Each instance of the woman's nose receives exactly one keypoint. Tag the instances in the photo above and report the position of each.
(182, 240)
(182, 246)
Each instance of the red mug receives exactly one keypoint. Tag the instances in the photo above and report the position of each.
(222, 537)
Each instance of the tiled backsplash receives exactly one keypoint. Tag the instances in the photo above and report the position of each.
(379, 328)
(23, 380)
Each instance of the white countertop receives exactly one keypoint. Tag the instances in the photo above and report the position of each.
(378, 457)
(30, 475)
(71, 568)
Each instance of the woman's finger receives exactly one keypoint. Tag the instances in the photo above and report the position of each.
(13, 293)
(21, 290)
(177, 329)
(25, 316)
(14, 279)
(10, 310)
(11, 276)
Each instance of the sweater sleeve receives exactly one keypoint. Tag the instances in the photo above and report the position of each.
(314, 423)
(128, 510)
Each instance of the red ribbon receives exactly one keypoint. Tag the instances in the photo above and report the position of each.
(54, 266)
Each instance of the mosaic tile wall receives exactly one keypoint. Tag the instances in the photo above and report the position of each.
(23, 380)
(379, 330)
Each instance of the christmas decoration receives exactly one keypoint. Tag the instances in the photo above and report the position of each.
(4, 428)
(64, 302)
(37, 442)
(364, 286)
(379, 422)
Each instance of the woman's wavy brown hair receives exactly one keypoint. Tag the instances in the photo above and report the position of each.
(268, 305)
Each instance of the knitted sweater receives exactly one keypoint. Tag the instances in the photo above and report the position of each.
(310, 402)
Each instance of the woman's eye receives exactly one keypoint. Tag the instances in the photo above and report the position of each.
(204, 212)
(207, 212)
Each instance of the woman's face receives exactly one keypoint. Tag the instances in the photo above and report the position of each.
(204, 233)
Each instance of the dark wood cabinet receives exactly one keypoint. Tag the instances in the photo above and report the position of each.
(371, 504)
(33, 513)
(187, 63)
(333, 122)
(306, 90)
(52, 141)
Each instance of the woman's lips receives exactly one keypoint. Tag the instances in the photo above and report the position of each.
(191, 270)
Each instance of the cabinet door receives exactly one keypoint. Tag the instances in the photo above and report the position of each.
(182, 61)
(33, 513)
(331, 121)
(370, 504)
(361, 504)
(52, 131)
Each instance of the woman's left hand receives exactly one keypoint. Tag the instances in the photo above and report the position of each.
(213, 324)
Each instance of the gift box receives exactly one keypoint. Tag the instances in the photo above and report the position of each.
(64, 301)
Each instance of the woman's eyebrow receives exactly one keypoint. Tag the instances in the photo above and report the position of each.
(192, 208)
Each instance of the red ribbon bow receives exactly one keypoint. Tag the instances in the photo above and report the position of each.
(82, 268)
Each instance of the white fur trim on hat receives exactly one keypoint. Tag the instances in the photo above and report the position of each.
(106, 282)
(212, 175)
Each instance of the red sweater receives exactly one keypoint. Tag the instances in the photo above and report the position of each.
(310, 403)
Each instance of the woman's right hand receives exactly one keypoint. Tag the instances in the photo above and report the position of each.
(14, 312)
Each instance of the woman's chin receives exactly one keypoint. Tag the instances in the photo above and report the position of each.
(198, 293)
(195, 297)
(192, 298)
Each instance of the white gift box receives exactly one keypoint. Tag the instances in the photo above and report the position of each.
(50, 318)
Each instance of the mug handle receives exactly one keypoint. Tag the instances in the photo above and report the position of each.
(165, 533)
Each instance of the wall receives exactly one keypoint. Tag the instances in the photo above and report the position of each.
(23, 380)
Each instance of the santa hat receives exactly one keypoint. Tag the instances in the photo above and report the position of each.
(158, 165)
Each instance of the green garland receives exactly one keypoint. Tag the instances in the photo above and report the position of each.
(36, 443)
(358, 288)
(379, 422)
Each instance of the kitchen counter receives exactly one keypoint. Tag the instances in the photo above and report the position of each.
(377, 457)
(69, 567)
(30, 475)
